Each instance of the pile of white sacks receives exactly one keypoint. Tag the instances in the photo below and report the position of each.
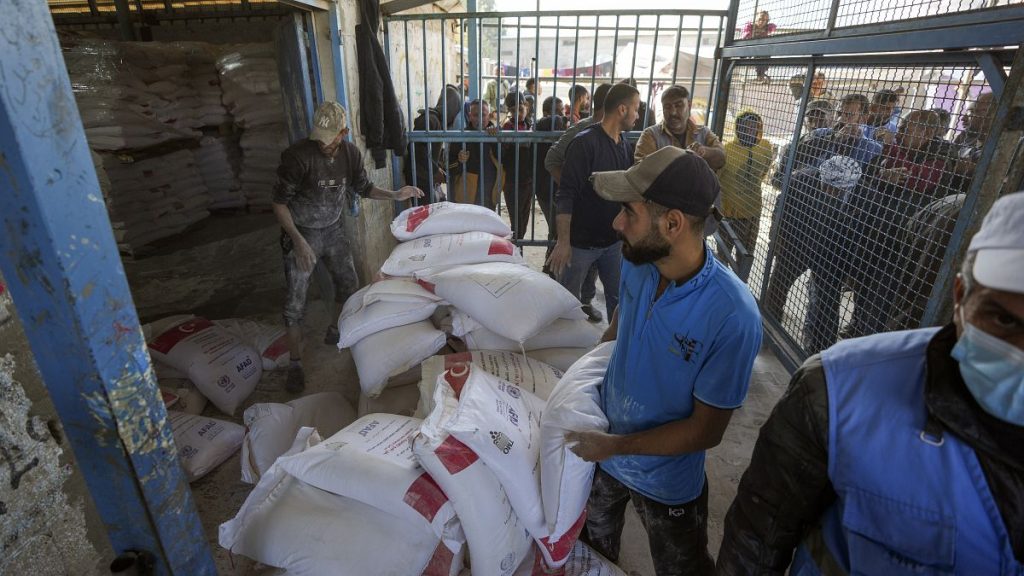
(478, 479)
(198, 361)
(252, 93)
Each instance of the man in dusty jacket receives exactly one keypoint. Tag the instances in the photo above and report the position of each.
(315, 180)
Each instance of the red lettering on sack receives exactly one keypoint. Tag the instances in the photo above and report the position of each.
(560, 550)
(456, 377)
(454, 455)
(277, 348)
(416, 217)
(425, 496)
(428, 286)
(170, 338)
(501, 246)
(441, 562)
(540, 567)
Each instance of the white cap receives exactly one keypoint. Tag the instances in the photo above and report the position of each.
(999, 245)
(840, 171)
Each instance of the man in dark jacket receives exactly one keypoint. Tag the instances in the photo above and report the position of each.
(317, 178)
(425, 167)
(901, 453)
(382, 125)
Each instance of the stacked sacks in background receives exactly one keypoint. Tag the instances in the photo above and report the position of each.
(217, 159)
(118, 108)
(252, 93)
(138, 110)
(153, 197)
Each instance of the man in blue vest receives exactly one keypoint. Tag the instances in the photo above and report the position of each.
(687, 332)
(901, 453)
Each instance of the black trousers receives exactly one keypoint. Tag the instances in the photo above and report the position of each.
(678, 535)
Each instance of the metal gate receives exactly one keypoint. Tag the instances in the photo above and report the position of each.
(855, 181)
(487, 56)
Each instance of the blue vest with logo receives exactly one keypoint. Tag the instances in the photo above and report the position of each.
(907, 502)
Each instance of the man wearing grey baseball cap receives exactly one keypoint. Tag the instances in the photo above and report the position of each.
(687, 332)
(316, 178)
(901, 452)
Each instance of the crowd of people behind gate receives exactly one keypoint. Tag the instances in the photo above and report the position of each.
(861, 193)
(867, 205)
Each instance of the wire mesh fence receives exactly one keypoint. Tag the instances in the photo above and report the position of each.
(847, 185)
(758, 19)
(517, 81)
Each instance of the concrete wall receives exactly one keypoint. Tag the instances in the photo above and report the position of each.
(43, 504)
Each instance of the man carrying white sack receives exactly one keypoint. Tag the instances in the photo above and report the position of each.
(687, 331)
(314, 180)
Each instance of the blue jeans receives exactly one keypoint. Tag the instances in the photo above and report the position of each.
(608, 262)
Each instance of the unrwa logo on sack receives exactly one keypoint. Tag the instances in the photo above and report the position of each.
(503, 442)
(226, 383)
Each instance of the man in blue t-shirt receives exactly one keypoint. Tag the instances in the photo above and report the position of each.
(687, 332)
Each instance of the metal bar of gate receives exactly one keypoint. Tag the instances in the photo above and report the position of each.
(696, 59)
(567, 13)
(650, 79)
(60, 260)
(790, 159)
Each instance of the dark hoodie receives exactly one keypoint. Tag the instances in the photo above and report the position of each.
(429, 157)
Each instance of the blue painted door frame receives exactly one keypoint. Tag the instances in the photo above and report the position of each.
(61, 262)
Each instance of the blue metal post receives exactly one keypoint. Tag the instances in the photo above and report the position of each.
(61, 262)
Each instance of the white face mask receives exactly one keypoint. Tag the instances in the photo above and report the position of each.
(993, 371)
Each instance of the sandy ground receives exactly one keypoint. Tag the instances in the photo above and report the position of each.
(231, 267)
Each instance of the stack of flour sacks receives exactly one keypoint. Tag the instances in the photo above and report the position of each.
(455, 274)
(484, 485)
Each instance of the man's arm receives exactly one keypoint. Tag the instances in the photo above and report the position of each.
(403, 193)
(362, 185)
(786, 487)
(303, 252)
(714, 151)
(575, 171)
(645, 146)
(701, 431)
(555, 157)
(290, 174)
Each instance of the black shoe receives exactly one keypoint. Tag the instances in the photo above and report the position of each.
(296, 381)
(332, 336)
(593, 314)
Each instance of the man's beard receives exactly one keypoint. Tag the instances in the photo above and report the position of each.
(647, 250)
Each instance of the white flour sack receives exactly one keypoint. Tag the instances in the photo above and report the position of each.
(528, 374)
(224, 368)
(360, 319)
(203, 443)
(269, 339)
(270, 428)
(562, 333)
(444, 250)
(394, 290)
(501, 423)
(289, 524)
(561, 358)
(507, 299)
(372, 461)
(498, 543)
(393, 351)
(447, 218)
(582, 561)
(565, 478)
